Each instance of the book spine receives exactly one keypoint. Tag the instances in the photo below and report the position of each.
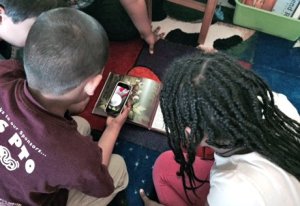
(286, 7)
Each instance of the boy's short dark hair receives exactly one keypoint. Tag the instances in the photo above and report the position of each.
(64, 47)
(19, 10)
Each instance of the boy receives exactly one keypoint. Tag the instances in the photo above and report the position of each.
(18, 16)
(43, 157)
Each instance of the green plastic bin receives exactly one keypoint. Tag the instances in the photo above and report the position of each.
(266, 21)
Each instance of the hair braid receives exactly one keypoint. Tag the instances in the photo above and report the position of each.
(213, 94)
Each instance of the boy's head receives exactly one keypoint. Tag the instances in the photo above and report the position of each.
(65, 47)
(17, 16)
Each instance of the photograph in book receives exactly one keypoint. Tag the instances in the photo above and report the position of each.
(144, 100)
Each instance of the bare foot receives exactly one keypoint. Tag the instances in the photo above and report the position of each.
(147, 201)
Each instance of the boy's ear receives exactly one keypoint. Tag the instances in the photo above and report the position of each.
(92, 84)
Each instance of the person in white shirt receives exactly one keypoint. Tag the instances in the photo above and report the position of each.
(210, 100)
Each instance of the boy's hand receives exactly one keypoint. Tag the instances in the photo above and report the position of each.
(120, 119)
(147, 201)
(111, 133)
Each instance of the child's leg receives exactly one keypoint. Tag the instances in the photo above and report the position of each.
(169, 186)
(83, 126)
(117, 169)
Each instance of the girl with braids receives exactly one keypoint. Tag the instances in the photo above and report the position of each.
(210, 100)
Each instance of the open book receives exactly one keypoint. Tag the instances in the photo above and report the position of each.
(144, 99)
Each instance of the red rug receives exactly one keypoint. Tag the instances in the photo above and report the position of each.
(131, 58)
(121, 59)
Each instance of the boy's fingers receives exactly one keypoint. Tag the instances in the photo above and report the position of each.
(125, 111)
(127, 108)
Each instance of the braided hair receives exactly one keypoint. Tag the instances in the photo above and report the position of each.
(213, 95)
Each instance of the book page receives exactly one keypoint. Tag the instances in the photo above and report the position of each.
(104, 96)
(158, 121)
(143, 97)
